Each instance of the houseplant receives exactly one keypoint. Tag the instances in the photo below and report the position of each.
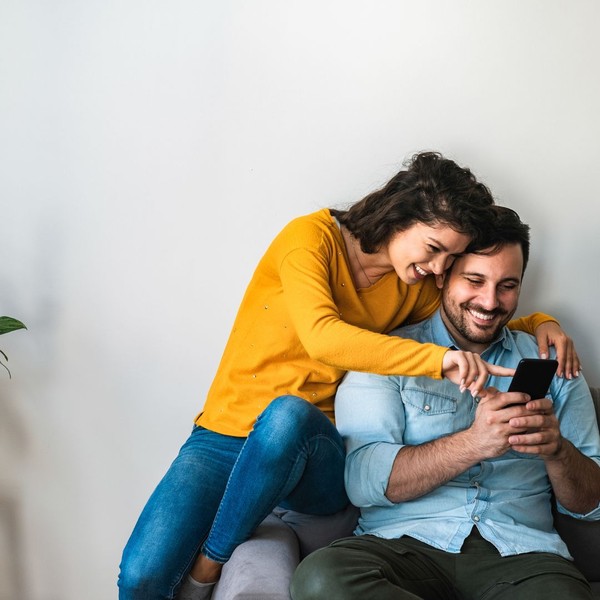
(8, 324)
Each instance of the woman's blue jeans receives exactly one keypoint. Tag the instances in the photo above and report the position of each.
(220, 488)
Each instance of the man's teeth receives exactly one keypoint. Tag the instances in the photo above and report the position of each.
(420, 271)
(483, 316)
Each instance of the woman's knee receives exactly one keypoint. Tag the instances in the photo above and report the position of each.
(139, 581)
(292, 418)
(152, 564)
(286, 412)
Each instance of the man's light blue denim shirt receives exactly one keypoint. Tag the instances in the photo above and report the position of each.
(508, 498)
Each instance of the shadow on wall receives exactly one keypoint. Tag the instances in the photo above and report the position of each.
(13, 446)
(33, 287)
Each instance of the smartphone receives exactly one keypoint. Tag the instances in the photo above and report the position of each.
(533, 376)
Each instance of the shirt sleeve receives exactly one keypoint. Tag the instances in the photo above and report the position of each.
(574, 407)
(372, 433)
(305, 278)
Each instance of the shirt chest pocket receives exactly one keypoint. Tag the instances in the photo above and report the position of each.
(428, 415)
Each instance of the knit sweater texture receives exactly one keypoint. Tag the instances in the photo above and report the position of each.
(302, 324)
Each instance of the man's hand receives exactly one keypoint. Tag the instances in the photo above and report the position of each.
(419, 469)
(505, 417)
(575, 478)
(542, 432)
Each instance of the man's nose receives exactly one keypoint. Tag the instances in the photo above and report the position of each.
(488, 297)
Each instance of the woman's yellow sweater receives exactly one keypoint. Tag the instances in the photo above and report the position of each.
(302, 324)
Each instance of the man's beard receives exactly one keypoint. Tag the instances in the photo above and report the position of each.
(459, 318)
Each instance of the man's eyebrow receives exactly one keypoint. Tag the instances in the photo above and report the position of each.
(482, 276)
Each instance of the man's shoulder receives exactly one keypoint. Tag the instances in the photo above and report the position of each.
(419, 332)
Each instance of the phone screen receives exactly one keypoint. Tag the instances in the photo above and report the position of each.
(533, 376)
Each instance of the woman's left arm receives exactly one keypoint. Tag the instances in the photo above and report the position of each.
(548, 332)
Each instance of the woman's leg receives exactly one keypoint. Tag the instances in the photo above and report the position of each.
(177, 517)
(294, 457)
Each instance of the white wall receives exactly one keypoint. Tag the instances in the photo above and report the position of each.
(150, 150)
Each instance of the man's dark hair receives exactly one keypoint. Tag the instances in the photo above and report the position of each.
(507, 228)
(432, 190)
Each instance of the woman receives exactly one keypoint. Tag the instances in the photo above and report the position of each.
(320, 302)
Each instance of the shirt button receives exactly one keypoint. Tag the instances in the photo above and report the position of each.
(427, 408)
(476, 518)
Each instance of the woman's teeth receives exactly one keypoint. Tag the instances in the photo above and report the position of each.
(420, 271)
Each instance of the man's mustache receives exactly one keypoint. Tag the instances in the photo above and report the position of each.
(490, 313)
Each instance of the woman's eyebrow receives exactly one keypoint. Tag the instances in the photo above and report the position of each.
(437, 243)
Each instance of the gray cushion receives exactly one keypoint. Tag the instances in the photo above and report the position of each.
(262, 567)
(314, 532)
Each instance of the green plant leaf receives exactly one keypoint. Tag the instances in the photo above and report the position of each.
(8, 324)
(2, 364)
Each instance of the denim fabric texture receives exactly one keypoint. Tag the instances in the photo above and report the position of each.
(507, 498)
(220, 488)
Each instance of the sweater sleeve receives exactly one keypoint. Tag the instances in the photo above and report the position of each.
(328, 338)
(531, 322)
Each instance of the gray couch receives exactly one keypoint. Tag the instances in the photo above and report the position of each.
(262, 567)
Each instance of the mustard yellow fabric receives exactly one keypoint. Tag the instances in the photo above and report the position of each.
(302, 324)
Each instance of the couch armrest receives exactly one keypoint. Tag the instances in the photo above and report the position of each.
(262, 567)
(583, 540)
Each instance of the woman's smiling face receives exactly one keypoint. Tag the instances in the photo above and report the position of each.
(423, 250)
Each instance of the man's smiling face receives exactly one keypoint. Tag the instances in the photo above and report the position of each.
(480, 294)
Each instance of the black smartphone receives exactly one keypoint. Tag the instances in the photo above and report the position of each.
(533, 376)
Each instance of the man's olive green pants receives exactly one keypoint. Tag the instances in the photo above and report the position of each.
(370, 568)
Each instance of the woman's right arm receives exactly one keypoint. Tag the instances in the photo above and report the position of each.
(328, 338)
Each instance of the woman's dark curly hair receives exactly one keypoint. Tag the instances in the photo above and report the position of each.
(432, 190)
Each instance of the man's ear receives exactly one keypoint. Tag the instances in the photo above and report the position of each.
(439, 279)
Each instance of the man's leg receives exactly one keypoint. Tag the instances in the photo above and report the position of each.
(369, 567)
(482, 574)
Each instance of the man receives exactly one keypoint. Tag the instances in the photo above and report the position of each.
(455, 492)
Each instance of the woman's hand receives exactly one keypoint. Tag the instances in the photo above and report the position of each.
(551, 334)
(469, 371)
